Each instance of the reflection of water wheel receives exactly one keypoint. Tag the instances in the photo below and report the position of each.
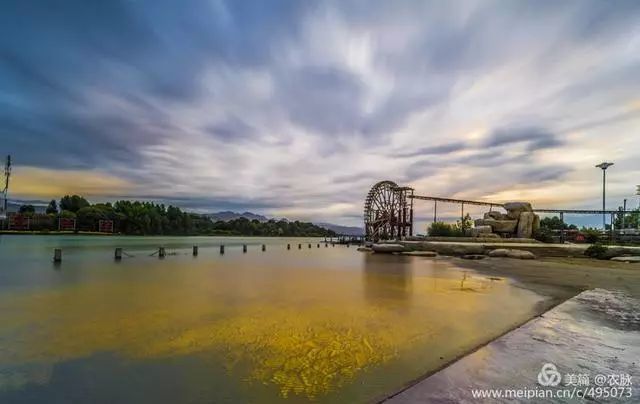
(381, 211)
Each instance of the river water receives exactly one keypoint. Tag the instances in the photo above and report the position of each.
(323, 324)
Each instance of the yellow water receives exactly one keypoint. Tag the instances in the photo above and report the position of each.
(327, 324)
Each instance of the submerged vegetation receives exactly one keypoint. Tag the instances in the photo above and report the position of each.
(148, 218)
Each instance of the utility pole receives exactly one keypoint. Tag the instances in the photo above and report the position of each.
(5, 190)
(604, 165)
(624, 209)
(638, 193)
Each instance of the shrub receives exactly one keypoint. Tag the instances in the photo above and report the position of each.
(591, 235)
(598, 251)
(544, 234)
(441, 229)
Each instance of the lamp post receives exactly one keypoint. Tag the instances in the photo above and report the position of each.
(604, 165)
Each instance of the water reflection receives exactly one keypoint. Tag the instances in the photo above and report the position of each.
(387, 280)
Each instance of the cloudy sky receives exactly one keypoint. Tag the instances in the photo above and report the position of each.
(297, 108)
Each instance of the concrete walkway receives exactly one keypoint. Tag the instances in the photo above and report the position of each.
(595, 333)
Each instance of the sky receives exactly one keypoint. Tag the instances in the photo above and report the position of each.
(296, 108)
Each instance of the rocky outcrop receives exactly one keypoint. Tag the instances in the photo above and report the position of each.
(519, 221)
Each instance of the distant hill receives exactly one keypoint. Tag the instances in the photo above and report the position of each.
(226, 216)
(346, 230)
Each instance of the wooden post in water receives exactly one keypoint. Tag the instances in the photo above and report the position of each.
(118, 254)
(299, 246)
(347, 245)
(318, 245)
(57, 255)
(264, 247)
(221, 249)
(288, 246)
(244, 248)
(161, 252)
(326, 245)
(195, 250)
(309, 245)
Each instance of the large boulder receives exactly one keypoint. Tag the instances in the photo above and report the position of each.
(525, 225)
(498, 226)
(514, 209)
(495, 215)
(387, 248)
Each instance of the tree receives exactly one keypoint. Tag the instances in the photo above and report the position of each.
(554, 223)
(52, 208)
(27, 210)
(631, 220)
(73, 203)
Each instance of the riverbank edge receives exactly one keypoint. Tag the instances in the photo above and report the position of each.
(548, 303)
(557, 279)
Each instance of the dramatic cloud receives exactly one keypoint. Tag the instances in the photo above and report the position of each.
(296, 108)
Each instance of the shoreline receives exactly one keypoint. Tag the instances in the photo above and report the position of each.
(552, 278)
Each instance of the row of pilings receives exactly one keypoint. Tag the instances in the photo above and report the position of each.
(161, 252)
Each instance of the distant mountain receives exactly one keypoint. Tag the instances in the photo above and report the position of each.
(226, 216)
(346, 230)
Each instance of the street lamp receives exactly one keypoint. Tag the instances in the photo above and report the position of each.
(604, 166)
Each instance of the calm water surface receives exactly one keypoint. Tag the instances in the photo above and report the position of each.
(324, 324)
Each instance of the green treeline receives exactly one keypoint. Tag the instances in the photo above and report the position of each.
(148, 218)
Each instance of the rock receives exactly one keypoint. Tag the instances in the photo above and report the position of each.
(525, 225)
(498, 226)
(536, 224)
(509, 253)
(387, 248)
(473, 256)
(479, 231)
(498, 252)
(364, 249)
(494, 214)
(514, 209)
(626, 259)
(612, 252)
(421, 253)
